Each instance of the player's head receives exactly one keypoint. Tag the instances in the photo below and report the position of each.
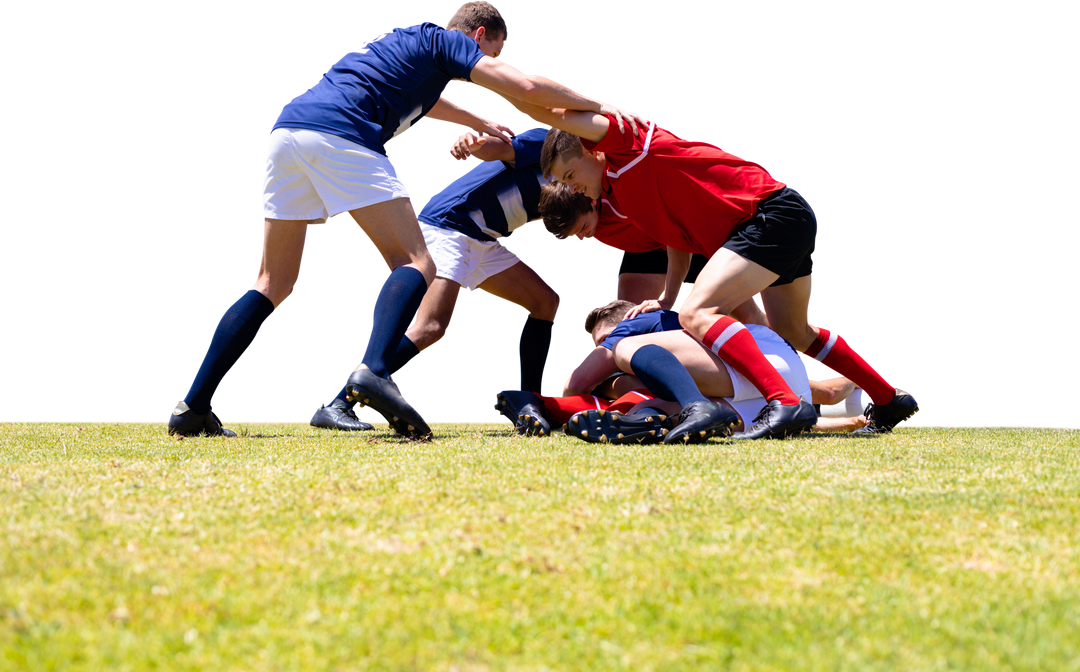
(602, 320)
(483, 23)
(564, 159)
(566, 213)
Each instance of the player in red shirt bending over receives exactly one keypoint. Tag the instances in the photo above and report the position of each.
(759, 235)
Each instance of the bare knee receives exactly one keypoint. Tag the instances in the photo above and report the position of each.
(799, 334)
(697, 322)
(427, 332)
(546, 305)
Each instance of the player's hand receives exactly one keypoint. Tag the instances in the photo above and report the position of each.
(498, 130)
(465, 145)
(649, 306)
(621, 116)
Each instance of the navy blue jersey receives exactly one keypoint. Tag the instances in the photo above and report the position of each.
(379, 91)
(646, 323)
(493, 199)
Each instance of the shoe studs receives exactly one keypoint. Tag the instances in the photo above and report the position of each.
(601, 413)
(584, 434)
(620, 435)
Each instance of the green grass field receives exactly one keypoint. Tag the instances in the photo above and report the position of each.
(295, 549)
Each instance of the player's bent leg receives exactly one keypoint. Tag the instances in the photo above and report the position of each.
(521, 285)
(433, 316)
(786, 306)
(709, 373)
(392, 227)
(283, 246)
(428, 330)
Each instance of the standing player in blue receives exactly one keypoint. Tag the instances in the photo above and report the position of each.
(462, 226)
(328, 156)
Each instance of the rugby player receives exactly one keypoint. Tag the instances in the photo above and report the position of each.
(758, 234)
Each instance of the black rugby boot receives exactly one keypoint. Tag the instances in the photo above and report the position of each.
(367, 389)
(186, 422)
(339, 415)
(700, 420)
(597, 426)
(777, 421)
(882, 419)
(522, 408)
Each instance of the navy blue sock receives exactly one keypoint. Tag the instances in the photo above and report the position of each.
(535, 342)
(395, 308)
(406, 351)
(664, 375)
(233, 335)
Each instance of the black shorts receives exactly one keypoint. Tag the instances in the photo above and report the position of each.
(780, 236)
(656, 262)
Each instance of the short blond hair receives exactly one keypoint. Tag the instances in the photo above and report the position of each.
(472, 14)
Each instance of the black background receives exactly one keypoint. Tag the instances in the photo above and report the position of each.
(154, 229)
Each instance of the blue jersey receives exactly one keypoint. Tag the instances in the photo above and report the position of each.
(493, 199)
(379, 91)
(645, 323)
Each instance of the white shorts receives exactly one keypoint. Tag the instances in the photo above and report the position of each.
(747, 400)
(467, 261)
(313, 176)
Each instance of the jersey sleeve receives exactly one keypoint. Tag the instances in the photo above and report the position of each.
(455, 52)
(527, 147)
(615, 141)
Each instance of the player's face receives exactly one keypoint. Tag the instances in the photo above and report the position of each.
(601, 334)
(583, 175)
(585, 226)
(490, 48)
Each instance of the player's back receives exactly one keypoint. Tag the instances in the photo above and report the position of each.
(378, 91)
(494, 198)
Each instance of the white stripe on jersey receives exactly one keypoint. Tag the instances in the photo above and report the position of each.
(828, 347)
(644, 151)
(608, 204)
(477, 216)
(732, 329)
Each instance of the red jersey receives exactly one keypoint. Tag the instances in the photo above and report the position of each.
(686, 195)
(617, 230)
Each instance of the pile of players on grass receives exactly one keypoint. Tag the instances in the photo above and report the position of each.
(680, 210)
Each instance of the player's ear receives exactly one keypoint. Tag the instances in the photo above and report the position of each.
(480, 32)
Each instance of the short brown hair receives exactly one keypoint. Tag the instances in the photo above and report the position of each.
(612, 314)
(561, 208)
(473, 15)
(559, 145)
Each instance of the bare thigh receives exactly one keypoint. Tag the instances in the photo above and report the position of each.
(392, 226)
(726, 282)
(707, 370)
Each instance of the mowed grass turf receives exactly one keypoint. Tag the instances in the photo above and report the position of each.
(292, 548)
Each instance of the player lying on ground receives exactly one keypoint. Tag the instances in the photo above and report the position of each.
(759, 236)
(616, 339)
(328, 156)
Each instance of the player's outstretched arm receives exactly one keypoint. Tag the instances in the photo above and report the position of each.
(511, 83)
(483, 147)
(444, 110)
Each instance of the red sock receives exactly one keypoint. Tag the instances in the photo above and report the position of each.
(561, 408)
(627, 401)
(834, 352)
(731, 342)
